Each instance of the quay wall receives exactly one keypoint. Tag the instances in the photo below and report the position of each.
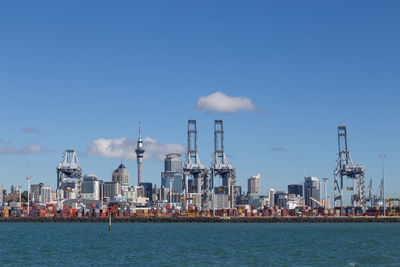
(156, 219)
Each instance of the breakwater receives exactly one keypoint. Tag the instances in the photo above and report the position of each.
(159, 219)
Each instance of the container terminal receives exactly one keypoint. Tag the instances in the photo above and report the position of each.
(192, 189)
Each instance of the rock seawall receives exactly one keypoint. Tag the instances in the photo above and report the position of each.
(156, 219)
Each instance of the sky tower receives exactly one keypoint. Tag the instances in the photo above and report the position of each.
(139, 155)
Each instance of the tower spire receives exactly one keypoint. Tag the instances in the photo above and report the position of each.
(140, 130)
(139, 154)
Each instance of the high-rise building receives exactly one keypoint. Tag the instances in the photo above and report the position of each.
(35, 194)
(148, 190)
(112, 189)
(91, 187)
(281, 199)
(295, 189)
(1, 195)
(45, 195)
(221, 199)
(311, 189)
(172, 175)
(164, 194)
(120, 175)
(271, 197)
(253, 186)
(139, 154)
(173, 162)
(237, 191)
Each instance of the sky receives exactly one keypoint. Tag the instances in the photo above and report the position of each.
(281, 74)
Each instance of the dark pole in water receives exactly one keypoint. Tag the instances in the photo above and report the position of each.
(109, 221)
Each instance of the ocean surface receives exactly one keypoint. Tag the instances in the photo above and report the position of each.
(196, 244)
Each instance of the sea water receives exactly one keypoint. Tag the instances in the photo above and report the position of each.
(199, 244)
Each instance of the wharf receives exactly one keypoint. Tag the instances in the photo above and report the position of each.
(193, 219)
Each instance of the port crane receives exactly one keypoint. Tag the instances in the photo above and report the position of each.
(346, 168)
(69, 176)
(322, 204)
(195, 169)
(220, 166)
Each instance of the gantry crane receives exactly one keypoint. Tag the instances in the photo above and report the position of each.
(346, 168)
(69, 175)
(194, 168)
(220, 166)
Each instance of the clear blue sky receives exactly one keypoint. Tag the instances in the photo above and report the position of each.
(73, 72)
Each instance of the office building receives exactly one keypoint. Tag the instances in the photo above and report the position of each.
(90, 187)
(311, 189)
(281, 199)
(165, 195)
(253, 184)
(120, 175)
(295, 189)
(172, 175)
(35, 192)
(221, 201)
(173, 163)
(148, 190)
(1, 195)
(45, 195)
(271, 197)
(111, 190)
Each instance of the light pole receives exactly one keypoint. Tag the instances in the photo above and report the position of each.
(28, 179)
(326, 199)
(19, 190)
(383, 156)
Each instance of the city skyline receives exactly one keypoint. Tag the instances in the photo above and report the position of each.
(288, 83)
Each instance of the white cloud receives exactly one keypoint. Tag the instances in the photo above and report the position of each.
(33, 148)
(30, 149)
(124, 148)
(221, 103)
(30, 130)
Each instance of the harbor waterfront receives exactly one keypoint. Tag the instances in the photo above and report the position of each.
(170, 244)
(198, 219)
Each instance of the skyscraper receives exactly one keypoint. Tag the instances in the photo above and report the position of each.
(295, 189)
(45, 194)
(271, 197)
(1, 195)
(139, 155)
(91, 187)
(112, 189)
(120, 175)
(36, 191)
(253, 186)
(311, 189)
(172, 175)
